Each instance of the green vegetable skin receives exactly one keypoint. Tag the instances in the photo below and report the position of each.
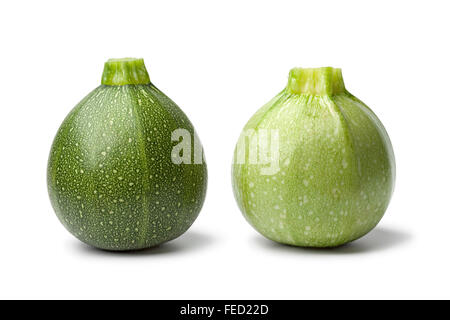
(111, 179)
(336, 165)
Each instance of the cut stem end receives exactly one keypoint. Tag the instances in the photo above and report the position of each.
(316, 81)
(119, 72)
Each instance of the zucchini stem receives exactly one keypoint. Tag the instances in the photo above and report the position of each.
(316, 81)
(119, 72)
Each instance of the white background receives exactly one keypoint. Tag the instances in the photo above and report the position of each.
(221, 61)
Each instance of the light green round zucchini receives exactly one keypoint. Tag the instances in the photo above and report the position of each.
(331, 168)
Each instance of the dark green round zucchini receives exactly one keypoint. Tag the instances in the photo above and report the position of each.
(113, 177)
